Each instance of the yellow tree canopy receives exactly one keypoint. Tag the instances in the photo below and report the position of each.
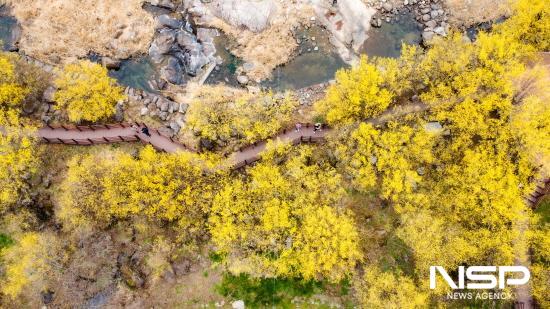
(12, 92)
(286, 220)
(160, 187)
(219, 114)
(87, 92)
(358, 94)
(396, 154)
(26, 264)
(529, 24)
(19, 159)
(380, 290)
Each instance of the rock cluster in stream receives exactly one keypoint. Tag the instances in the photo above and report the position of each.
(178, 50)
(430, 14)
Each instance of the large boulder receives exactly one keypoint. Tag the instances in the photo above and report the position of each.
(172, 71)
(165, 21)
(162, 44)
(195, 61)
(251, 14)
(186, 40)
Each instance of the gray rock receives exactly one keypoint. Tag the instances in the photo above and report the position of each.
(387, 7)
(183, 108)
(206, 144)
(29, 108)
(195, 61)
(144, 111)
(186, 40)
(163, 116)
(433, 127)
(425, 10)
(208, 49)
(110, 63)
(119, 114)
(165, 21)
(376, 22)
(16, 32)
(175, 106)
(431, 24)
(427, 36)
(172, 71)
(440, 31)
(426, 17)
(253, 89)
(248, 66)
(164, 106)
(206, 35)
(174, 126)
(238, 304)
(49, 94)
(434, 14)
(46, 119)
(162, 44)
(167, 4)
(242, 79)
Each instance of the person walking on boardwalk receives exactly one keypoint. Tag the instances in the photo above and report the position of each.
(317, 127)
(145, 131)
(298, 127)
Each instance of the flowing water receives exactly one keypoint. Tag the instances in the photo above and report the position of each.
(310, 65)
(225, 72)
(387, 40)
(315, 67)
(7, 23)
(315, 63)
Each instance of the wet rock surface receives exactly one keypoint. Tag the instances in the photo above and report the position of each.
(429, 14)
(179, 50)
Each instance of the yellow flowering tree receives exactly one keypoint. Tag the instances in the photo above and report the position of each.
(12, 92)
(19, 159)
(174, 188)
(357, 95)
(87, 92)
(378, 290)
(529, 23)
(220, 114)
(27, 263)
(286, 220)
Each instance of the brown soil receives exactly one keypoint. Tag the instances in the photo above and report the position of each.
(56, 31)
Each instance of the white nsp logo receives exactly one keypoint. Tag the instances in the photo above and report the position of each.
(480, 278)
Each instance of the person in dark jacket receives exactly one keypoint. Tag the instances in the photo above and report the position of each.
(145, 131)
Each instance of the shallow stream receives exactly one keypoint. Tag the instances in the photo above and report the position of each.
(315, 61)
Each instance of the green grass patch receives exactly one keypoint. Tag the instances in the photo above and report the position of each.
(5, 241)
(266, 292)
(216, 257)
(544, 210)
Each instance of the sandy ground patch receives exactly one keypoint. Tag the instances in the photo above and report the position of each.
(471, 12)
(55, 31)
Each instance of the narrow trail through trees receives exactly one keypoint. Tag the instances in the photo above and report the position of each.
(104, 134)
